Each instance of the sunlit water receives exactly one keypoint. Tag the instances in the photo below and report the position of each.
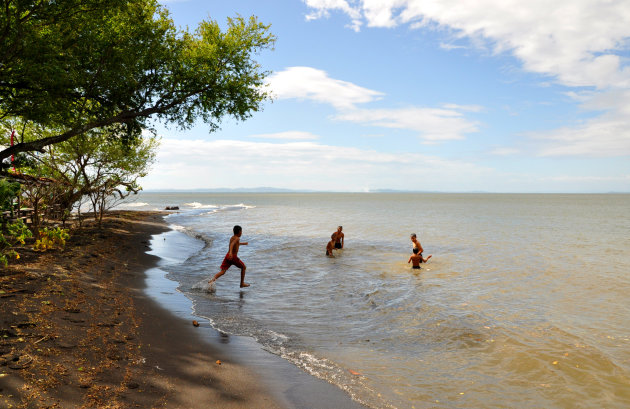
(525, 303)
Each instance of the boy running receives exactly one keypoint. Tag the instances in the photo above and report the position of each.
(231, 258)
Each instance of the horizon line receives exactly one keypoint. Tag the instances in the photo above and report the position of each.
(285, 190)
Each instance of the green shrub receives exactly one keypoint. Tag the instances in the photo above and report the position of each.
(51, 238)
(15, 233)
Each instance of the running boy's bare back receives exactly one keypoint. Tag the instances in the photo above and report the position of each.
(231, 258)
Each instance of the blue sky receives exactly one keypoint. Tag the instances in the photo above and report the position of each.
(453, 96)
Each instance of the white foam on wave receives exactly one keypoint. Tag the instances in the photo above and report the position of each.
(244, 206)
(127, 206)
(204, 286)
(238, 206)
(177, 227)
(275, 336)
(197, 205)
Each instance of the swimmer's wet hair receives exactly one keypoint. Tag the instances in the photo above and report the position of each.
(416, 250)
(413, 235)
(237, 229)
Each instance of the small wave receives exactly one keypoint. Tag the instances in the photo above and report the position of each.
(204, 286)
(277, 336)
(207, 240)
(350, 381)
(177, 227)
(194, 234)
(216, 208)
(136, 204)
(239, 206)
(197, 205)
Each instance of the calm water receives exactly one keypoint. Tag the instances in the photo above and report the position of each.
(525, 303)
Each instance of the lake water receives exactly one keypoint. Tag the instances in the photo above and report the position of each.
(525, 303)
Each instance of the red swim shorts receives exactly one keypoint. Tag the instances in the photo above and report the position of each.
(234, 261)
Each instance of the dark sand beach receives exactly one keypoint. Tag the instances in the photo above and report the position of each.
(78, 330)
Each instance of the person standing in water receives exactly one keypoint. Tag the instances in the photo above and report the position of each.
(339, 238)
(417, 248)
(231, 258)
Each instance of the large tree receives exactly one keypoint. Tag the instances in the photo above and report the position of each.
(77, 65)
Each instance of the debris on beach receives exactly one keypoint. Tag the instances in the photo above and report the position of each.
(195, 323)
(218, 362)
(354, 372)
(20, 361)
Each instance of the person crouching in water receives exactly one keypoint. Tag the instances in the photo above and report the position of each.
(331, 245)
(416, 259)
(231, 258)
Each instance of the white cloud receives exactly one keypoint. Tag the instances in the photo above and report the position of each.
(606, 135)
(504, 151)
(572, 40)
(313, 84)
(450, 46)
(321, 9)
(589, 179)
(578, 43)
(287, 135)
(188, 164)
(432, 124)
(468, 108)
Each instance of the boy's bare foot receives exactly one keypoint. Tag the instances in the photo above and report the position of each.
(244, 285)
(211, 281)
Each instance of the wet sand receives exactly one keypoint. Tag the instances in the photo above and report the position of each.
(97, 325)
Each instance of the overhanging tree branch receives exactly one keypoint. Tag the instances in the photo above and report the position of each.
(123, 62)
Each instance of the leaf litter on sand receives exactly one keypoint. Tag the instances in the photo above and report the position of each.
(55, 311)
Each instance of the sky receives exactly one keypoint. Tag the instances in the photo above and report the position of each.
(421, 95)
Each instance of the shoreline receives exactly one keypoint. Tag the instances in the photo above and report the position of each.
(290, 386)
(83, 328)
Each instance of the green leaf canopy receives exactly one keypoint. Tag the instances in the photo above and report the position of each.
(78, 65)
